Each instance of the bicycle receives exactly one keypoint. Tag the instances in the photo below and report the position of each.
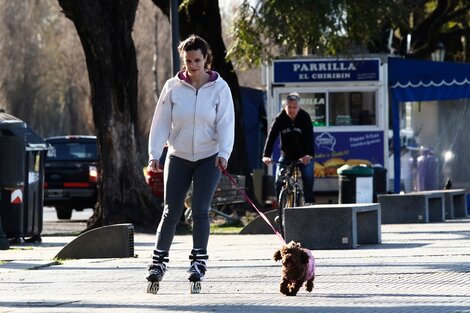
(292, 194)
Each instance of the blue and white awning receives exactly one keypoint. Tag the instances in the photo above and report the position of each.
(417, 80)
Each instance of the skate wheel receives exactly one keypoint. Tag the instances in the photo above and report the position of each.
(153, 287)
(195, 287)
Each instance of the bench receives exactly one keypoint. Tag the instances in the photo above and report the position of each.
(455, 202)
(225, 194)
(334, 226)
(457, 199)
(413, 207)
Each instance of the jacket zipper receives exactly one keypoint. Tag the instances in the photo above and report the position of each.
(194, 123)
(195, 107)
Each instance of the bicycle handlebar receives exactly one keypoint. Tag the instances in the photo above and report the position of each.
(290, 169)
(293, 163)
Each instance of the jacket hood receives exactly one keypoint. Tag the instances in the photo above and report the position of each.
(183, 76)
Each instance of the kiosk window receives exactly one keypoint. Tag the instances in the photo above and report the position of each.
(352, 108)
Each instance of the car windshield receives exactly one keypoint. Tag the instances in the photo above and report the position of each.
(70, 151)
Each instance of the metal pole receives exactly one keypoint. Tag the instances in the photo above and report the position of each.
(175, 35)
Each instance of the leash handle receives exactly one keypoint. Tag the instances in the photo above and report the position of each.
(234, 183)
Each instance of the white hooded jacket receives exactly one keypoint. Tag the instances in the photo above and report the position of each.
(196, 123)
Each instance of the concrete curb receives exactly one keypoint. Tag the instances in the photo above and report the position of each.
(25, 265)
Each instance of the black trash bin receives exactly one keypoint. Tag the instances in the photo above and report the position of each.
(355, 184)
(380, 181)
(22, 154)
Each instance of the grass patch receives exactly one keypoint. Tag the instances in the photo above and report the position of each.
(58, 261)
(63, 234)
(225, 229)
(22, 248)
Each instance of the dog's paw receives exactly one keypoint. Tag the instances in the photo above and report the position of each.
(293, 289)
(309, 285)
(284, 287)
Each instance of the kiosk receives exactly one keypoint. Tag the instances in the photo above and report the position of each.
(356, 108)
(347, 100)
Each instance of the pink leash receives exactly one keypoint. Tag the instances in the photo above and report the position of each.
(234, 183)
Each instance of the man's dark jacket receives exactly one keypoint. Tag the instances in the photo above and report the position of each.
(296, 136)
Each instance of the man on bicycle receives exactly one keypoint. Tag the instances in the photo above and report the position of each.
(294, 125)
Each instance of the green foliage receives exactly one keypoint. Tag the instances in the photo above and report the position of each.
(274, 28)
(285, 27)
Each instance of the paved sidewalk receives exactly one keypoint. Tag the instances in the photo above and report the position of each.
(417, 268)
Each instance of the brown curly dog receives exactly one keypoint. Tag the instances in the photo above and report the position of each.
(298, 266)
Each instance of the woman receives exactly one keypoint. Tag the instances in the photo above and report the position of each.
(195, 115)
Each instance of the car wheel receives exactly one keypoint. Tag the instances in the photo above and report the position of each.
(63, 212)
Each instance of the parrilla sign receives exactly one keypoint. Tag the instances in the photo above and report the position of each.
(296, 71)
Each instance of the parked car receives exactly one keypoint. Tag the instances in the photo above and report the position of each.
(71, 174)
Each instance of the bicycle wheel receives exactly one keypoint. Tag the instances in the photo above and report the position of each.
(299, 197)
(286, 200)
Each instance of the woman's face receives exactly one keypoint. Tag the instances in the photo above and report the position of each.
(194, 62)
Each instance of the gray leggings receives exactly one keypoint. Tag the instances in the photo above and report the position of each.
(178, 175)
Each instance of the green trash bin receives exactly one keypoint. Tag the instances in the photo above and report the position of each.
(355, 184)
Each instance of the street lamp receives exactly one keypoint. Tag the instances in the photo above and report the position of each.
(440, 53)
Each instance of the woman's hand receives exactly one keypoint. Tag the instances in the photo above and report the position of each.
(221, 163)
(153, 166)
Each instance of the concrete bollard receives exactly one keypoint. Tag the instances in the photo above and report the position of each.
(259, 225)
(112, 241)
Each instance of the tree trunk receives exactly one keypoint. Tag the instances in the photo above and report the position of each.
(104, 28)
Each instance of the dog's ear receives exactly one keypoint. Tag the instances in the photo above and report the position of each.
(293, 245)
(277, 255)
(303, 257)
